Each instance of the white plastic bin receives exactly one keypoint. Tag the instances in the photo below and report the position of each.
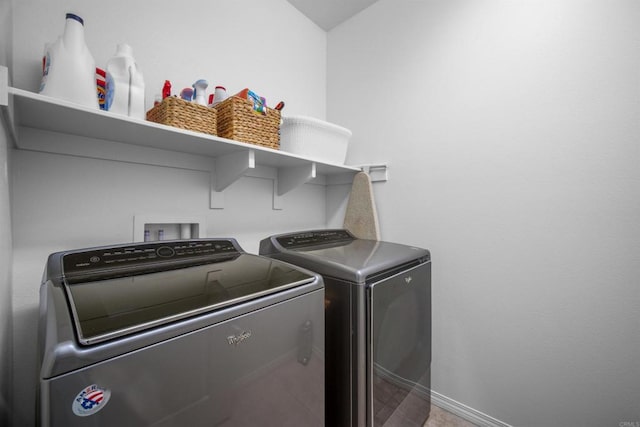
(314, 138)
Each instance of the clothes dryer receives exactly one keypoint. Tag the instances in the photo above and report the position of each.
(377, 324)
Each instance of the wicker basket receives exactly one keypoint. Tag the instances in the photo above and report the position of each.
(238, 121)
(173, 111)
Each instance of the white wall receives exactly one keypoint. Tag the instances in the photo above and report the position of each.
(6, 322)
(266, 45)
(511, 131)
(63, 202)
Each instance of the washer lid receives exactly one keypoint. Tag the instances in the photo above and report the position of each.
(117, 304)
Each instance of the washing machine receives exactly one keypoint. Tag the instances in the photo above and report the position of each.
(377, 324)
(179, 333)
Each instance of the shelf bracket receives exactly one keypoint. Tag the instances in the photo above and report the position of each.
(228, 169)
(378, 172)
(5, 107)
(290, 178)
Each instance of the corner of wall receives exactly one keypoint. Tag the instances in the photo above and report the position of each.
(6, 34)
(6, 246)
(6, 294)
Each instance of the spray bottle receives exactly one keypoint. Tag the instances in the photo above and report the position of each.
(200, 88)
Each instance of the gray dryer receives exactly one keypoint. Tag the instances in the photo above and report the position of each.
(377, 324)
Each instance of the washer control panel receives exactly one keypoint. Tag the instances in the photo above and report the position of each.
(146, 253)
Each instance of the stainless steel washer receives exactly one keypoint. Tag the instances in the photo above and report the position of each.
(378, 324)
(179, 333)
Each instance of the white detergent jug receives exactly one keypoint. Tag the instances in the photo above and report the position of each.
(125, 84)
(68, 68)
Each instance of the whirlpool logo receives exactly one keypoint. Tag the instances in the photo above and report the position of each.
(237, 339)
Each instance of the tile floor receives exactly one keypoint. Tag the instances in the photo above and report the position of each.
(440, 418)
(396, 406)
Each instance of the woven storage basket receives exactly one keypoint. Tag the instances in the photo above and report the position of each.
(238, 121)
(173, 111)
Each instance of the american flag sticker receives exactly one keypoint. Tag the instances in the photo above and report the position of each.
(90, 400)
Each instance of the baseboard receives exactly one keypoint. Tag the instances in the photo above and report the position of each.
(463, 411)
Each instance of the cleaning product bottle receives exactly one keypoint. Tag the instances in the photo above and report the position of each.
(166, 89)
(200, 88)
(69, 69)
(126, 84)
(219, 95)
(187, 94)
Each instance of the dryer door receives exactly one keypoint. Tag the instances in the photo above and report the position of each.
(400, 357)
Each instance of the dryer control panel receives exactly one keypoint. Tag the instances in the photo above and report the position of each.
(314, 238)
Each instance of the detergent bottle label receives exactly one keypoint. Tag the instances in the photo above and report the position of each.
(46, 64)
(101, 87)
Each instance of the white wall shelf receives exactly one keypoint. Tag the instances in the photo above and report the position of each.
(119, 136)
